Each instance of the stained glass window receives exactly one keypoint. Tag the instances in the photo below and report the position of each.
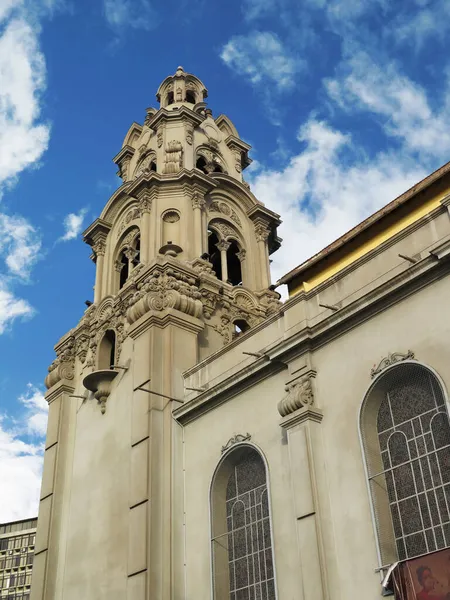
(248, 573)
(412, 479)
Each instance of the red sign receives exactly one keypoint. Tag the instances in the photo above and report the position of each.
(424, 578)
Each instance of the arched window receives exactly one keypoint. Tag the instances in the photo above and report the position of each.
(124, 269)
(214, 253)
(234, 264)
(406, 438)
(107, 350)
(190, 96)
(240, 326)
(242, 549)
(170, 98)
(129, 258)
(201, 164)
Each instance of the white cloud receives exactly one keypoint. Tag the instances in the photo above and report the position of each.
(23, 139)
(20, 242)
(11, 307)
(261, 57)
(137, 14)
(73, 223)
(327, 189)
(401, 103)
(21, 457)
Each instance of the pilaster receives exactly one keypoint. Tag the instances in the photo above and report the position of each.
(302, 421)
(54, 496)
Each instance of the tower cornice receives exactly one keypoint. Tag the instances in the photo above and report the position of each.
(182, 113)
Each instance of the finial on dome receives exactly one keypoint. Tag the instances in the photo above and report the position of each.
(180, 70)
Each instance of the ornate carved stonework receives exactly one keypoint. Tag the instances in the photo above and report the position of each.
(223, 228)
(131, 215)
(225, 209)
(162, 289)
(63, 367)
(82, 347)
(109, 315)
(159, 138)
(389, 360)
(189, 133)
(261, 232)
(197, 201)
(236, 439)
(99, 248)
(299, 394)
(173, 161)
(145, 164)
(223, 245)
(212, 157)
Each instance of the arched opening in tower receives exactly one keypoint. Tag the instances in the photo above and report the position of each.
(170, 98)
(190, 97)
(107, 350)
(153, 165)
(214, 254)
(124, 270)
(234, 264)
(217, 169)
(240, 326)
(201, 164)
(137, 256)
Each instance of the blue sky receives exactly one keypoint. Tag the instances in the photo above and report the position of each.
(345, 103)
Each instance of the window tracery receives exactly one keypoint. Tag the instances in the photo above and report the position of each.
(406, 437)
(242, 540)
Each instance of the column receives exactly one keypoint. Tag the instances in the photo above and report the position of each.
(223, 246)
(262, 235)
(301, 421)
(145, 207)
(241, 256)
(197, 205)
(53, 505)
(99, 249)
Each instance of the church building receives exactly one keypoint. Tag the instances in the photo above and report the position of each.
(207, 441)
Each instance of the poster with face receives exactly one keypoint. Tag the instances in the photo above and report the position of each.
(424, 578)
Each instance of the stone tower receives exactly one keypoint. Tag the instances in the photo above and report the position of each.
(182, 267)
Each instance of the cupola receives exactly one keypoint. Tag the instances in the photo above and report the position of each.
(181, 88)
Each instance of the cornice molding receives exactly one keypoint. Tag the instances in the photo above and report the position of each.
(302, 415)
(182, 113)
(310, 337)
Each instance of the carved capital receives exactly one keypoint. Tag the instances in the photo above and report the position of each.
(241, 254)
(261, 232)
(118, 265)
(223, 245)
(389, 360)
(197, 201)
(299, 393)
(99, 248)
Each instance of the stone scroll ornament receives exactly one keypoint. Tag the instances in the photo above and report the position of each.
(299, 394)
(389, 360)
(236, 439)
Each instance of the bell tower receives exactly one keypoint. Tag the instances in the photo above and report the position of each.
(181, 251)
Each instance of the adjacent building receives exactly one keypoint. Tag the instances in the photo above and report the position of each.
(17, 540)
(207, 441)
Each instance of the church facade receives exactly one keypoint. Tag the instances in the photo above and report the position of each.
(207, 441)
